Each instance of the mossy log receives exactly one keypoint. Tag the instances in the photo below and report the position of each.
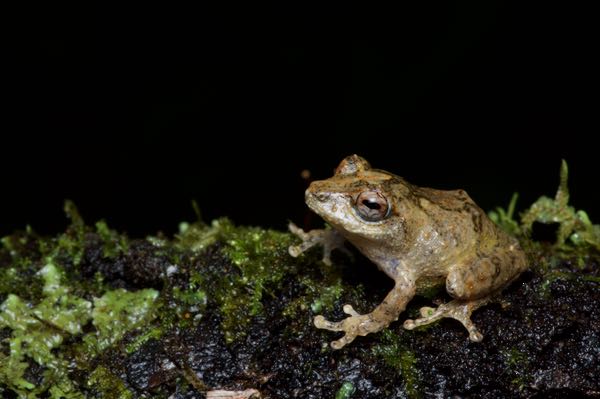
(225, 310)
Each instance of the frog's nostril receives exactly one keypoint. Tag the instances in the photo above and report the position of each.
(322, 196)
(319, 196)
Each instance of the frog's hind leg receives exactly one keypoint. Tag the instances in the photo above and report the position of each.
(460, 310)
(473, 284)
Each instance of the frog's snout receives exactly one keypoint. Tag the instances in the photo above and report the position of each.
(319, 196)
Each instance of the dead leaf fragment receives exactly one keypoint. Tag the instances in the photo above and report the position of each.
(222, 394)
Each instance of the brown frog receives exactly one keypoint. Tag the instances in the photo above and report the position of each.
(419, 237)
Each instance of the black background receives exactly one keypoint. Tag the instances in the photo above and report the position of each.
(134, 112)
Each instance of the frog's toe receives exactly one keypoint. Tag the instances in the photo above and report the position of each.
(324, 324)
(345, 340)
(294, 251)
(428, 315)
(297, 250)
(297, 231)
(348, 309)
(426, 311)
(347, 324)
(409, 324)
(475, 335)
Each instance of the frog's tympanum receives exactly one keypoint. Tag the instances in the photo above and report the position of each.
(419, 237)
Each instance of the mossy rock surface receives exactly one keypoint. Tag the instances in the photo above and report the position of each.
(91, 313)
(220, 308)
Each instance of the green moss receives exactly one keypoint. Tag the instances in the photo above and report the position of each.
(59, 308)
(431, 288)
(574, 226)
(37, 330)
(198, 236)
(515, 358)
(320, 292)
(192, 297)
(262, 260)
(595, 279)
(152, 333)
(118, 312)
(73, 240)
(328, 296)
(187, 302)
(397, 356)
(505, 218)
(516, 362)
(114, 243)
(65, 389)
(20, 275)
(108, 385)
(345, 391)
(20, 278)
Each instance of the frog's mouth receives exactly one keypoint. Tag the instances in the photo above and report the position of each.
(316, 201)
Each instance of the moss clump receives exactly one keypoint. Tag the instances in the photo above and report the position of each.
(198, 236)
(59, 308)
(320, 292)
(262, 260)
(516, 362)
(398, 356)
(107, 385)
(37, 330)
(327, 297)
(115, 243)
(192, 300)
(118, 312)
(345, 391)
(574, 226)
(505, 218)
(43, 308)
(72, 241)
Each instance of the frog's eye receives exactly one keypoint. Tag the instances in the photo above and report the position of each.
(372, 206)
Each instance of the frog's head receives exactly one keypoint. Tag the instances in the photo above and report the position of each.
(359, 201)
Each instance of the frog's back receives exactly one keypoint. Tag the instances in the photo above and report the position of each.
(451, 200)
(458, 205)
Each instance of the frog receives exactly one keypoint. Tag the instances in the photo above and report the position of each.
(419, 237)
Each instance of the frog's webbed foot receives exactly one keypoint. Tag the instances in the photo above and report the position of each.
(353, 326)
(456, 309)
(329, 238)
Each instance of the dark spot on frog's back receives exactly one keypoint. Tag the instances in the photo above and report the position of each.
(497, 262)
(476, 215)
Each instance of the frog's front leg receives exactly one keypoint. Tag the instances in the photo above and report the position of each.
(385, 313)
(329, 238)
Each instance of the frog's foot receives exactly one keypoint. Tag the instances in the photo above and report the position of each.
(353, 326)
(457, 309)
(329, 238)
